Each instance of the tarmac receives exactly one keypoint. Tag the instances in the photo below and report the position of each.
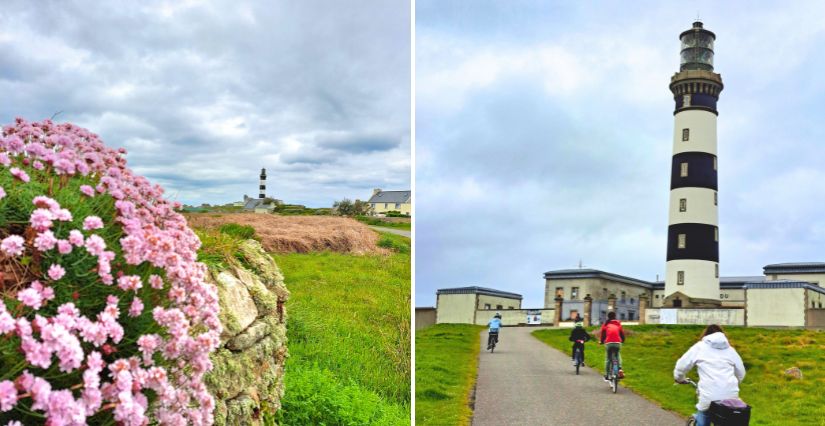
(526, 382)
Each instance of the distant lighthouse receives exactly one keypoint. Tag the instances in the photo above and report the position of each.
(693, 220)
(262, 186)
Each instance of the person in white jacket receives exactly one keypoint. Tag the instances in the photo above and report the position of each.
(720, 370)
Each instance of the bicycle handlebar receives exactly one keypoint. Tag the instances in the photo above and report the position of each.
(687, 382)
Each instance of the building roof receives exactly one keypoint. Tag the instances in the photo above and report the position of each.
(595, 273)
(391, 197)
(784, 284)
(479, 290)
(795, 268)
(728, 283)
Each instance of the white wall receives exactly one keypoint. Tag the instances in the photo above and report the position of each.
(702, 125)
(700, 278)
(776, 307)
(700, 207)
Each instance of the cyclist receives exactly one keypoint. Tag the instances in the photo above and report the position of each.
(720, 370)
(612, 336)
(495, 326)
(578, 336)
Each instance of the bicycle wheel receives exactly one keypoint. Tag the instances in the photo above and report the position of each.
(691, 421)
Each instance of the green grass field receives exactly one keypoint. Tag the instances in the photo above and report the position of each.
(650, 353)
(446, 361)
(349, 338)
(376, 221)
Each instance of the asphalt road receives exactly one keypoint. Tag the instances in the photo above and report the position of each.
(525, 382)
(401, 232)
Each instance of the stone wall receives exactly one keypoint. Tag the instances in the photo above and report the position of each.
(699, 316)
(513, 316)
(247, 377)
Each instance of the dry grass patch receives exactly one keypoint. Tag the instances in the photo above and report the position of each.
(297, 234)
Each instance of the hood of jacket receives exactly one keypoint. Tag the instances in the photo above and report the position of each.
(716, 341)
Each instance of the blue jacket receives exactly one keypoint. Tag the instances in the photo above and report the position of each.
(494, 324)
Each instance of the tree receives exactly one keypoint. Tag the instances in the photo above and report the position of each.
(347, 207)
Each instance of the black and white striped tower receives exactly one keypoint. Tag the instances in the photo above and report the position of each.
(262, 186)
(693, 231)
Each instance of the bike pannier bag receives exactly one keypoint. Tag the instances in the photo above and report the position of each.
(732, 412)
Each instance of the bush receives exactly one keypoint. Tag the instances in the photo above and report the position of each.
(105, 309)
(244, 232)
(394, 243)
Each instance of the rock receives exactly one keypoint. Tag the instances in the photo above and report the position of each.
(794, 372)
(238, 309)
(254, 333)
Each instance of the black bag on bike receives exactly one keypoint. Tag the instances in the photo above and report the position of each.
(730, 412)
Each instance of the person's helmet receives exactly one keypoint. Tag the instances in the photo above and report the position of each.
(498, 315)
(579, 324)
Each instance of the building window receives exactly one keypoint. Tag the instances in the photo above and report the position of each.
(682, 241)
(684, 170)
(510, 307)
(715, 198)
(716, 234)
(657, 296)
(398, 205)
(486, 306)
(385, 205)
(632, 301)
(685, 134)
(559, 291)
(631, 315)
(623, 297)
(574, 293)
(683, 204)
(716, 266)
(499, 307)
(680, 278)
(622, 316)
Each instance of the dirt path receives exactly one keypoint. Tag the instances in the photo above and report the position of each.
(396, 231)
(526, 382)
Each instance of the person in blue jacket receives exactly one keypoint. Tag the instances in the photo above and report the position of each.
(495, 326)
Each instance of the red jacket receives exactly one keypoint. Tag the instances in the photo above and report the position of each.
(612, 332)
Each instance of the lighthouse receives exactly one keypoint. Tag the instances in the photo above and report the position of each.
(692, 270)
(262, 186)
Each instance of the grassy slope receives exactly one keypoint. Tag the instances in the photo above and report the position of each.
(651, 352)
(349, 340)
(446, 361)
(385, 223)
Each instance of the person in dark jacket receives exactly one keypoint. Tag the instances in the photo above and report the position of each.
(578, 336)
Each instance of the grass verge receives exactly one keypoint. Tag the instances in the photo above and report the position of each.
(387, 223)
(651, 351)
(446, 362)
(349, 339)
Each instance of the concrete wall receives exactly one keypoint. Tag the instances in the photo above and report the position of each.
(815, 318)
(456, 308)
(597, 288)
(722, 316)
(424, 317)
(818, 279)
(732, 298)
(513, 316)
(496, 302)
(816, 300)
(776, 307)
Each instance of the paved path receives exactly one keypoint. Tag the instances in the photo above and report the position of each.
(401, 232)
(526, 382)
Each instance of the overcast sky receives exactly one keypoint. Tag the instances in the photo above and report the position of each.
(205, 94)
(544, 134)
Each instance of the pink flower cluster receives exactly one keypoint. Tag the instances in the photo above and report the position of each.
(153, 235)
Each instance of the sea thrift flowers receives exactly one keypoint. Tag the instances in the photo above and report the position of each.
(114, 373)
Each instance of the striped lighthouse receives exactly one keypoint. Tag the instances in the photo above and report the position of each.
(262, 186)
(693, 220)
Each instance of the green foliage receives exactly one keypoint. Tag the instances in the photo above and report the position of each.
(299, 210)
(377, 221)
(347, 207)
(651, 352)
(397, 243)
(349, 325)
(243, 232)
(396, 213)
(318, 397)
(446, 361)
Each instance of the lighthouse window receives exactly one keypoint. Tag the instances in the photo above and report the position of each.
(685, 134)
(684, 170)
(717, 270)
(715, 198)
(680, 278)
(683, 204)
(682, 242)
(716, 234)
(714, 163)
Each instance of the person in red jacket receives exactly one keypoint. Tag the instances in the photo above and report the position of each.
(612, 336)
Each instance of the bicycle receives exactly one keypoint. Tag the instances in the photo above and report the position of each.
(578, 356)
(492, 339)
(721, 413)
(613, 371)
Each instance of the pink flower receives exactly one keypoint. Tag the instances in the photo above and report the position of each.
(4, 159)
(31, 298)
(129, 282)
(76, 238)
(156, 281)
(45, 202)
(95, 245)
(56, 272)
(92, 223)
(41, 219)
(64, 247)
(45, 241)
(12, 245)
(8, 395)
(38, 165)
(136, 308)
(2, 193)
(87, 190)
(19, 174)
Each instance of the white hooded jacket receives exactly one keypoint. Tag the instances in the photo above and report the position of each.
(720, 369)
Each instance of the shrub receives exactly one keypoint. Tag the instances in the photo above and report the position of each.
(105, 312)
(241, 231)
(394, 243)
